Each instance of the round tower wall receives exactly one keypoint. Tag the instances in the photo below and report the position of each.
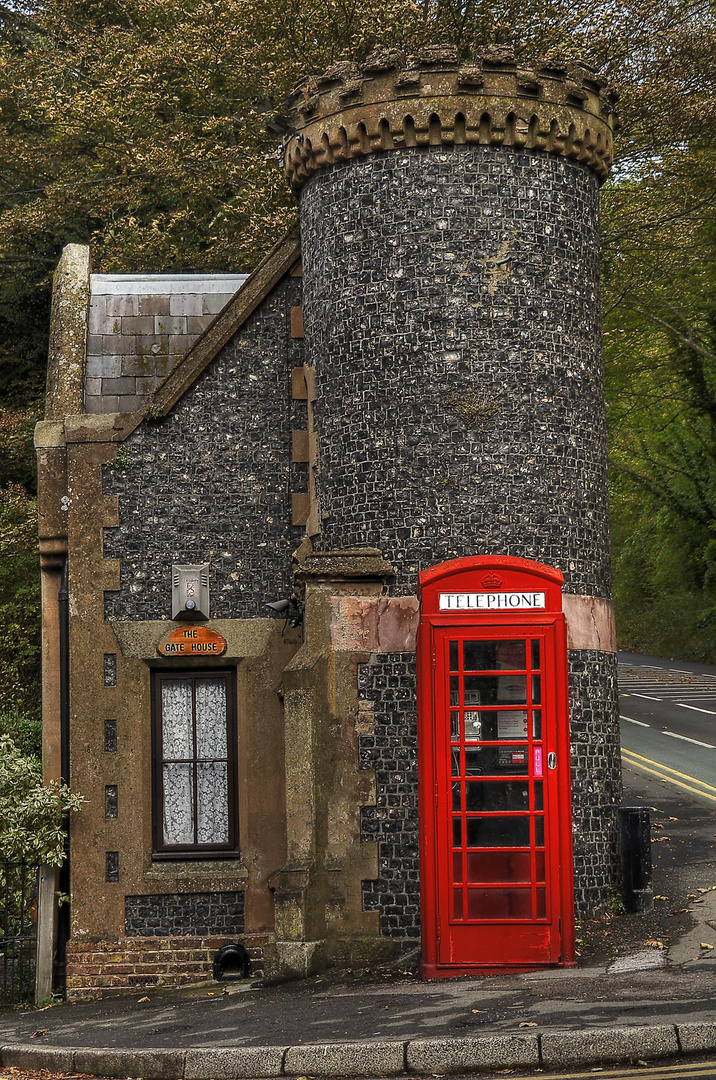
(449, 223)
(451, 309)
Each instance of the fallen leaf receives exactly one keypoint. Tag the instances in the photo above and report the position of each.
(478, 1010)
(710, 889)
(654, 943)
(143, 999)
(657, 825)
(661, 898)
(697, 901)
(528, 1023)
(40, 1031)
(659, 839)
(705, 945)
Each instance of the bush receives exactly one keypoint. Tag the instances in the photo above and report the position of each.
(31, 812)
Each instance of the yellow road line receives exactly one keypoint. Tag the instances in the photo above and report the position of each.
(656, 1072)
(661, 772)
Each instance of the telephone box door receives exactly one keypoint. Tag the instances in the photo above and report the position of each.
(494, 767)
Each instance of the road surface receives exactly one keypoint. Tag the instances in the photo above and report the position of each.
(668, 722)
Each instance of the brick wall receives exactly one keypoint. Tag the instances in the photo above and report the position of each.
(98, 968)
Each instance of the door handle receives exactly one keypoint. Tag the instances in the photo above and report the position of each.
(551, 760)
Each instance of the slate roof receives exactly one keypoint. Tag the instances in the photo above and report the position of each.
(140, 326)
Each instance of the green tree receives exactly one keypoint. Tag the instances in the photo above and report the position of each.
(140, 127)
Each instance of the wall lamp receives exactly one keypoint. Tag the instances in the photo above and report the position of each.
(289, 609)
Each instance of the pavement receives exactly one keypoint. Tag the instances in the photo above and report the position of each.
(644, 990)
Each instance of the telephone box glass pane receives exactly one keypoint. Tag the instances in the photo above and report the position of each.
(536, 690)
(493, 655)
(504, 832)
(536, 663)
(453, 656)
(541, 904)
(495, 689)
(457, 797)
(539, 832)
(537, 724)
(539, 799)
(457, 866)
(456, 832)
(492, 796)
(454, 689)
(495, 761)
(457, 903)
(499, 903)
(504, 866)
(454, 726)
(539, 865)
(455, 761)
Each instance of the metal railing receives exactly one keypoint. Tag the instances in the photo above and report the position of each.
(18, 932)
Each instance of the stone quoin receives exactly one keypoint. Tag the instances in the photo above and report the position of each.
(393, 432)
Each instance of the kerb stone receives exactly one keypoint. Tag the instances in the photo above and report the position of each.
(149, 1064)
(608, 1044)
(695, 1037)
(20, 1056)
(239, 1061)
(460, 1055)
(346, 1059)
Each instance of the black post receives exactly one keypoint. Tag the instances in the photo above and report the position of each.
(635, 832)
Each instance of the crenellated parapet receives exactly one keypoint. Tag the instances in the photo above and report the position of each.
(394, 101)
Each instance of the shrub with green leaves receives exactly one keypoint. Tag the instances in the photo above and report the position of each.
(31, 811)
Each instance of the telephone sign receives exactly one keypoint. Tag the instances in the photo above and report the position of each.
(495, 805)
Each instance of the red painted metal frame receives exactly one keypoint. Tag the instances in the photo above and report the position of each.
(466, 575)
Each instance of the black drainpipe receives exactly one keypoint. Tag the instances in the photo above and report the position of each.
(63, 915)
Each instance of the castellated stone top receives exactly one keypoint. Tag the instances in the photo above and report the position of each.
(394, 101)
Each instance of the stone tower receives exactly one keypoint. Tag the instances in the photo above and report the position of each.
(449, 225)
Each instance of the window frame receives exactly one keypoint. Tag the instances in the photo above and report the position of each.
(230, 849)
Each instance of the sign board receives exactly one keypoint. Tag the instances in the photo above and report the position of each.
(494, 601)
(192, 641)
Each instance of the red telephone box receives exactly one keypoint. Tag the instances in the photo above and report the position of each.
(494, 769)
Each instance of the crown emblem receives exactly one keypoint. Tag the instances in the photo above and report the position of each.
(491, 581)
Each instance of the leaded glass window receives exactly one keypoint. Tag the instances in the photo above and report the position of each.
(194, 763)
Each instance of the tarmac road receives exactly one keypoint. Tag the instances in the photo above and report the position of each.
(668, 722)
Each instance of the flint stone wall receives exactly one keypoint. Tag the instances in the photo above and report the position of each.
(184, 914)
(212, 481)
(454, 322)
